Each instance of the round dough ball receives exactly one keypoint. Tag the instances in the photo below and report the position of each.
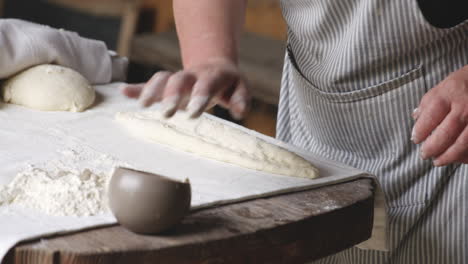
(49, 88)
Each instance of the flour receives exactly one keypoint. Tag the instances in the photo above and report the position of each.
(72, 185)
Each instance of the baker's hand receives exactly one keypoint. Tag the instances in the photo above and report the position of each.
(195, 89)
(442, 121)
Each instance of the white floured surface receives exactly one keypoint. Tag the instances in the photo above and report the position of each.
(38, 138)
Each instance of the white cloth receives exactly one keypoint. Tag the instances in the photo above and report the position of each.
(90, 134)
(25, 44)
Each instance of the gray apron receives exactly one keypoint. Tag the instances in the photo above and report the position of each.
(353, 74)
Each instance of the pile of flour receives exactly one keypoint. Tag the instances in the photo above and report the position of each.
(74, 184)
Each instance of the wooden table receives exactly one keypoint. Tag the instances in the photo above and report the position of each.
(292, 228)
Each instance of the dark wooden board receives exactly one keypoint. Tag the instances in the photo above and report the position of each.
(292, 228)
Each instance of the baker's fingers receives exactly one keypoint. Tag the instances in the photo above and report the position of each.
(430, 117)
(201, 96)
(154, 88)
(177, 92)
(443, 136)
(205, 89)
(416, 113)
(132, 90)
(223, 97)
(457, 152)
(239, 101)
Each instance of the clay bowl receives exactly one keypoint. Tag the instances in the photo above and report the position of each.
(147, 203)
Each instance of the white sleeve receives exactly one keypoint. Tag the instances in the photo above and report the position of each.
(24, 44)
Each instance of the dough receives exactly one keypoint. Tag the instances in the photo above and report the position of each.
(49, 88)
(213, 139)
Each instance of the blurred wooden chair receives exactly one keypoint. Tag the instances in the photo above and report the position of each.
(127, 10)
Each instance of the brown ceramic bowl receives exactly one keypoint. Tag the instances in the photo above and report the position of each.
(147, 203)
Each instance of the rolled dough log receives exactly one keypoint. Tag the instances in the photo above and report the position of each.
(49, 88)
(212, 139)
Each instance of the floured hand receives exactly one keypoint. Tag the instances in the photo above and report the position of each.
(217, 81)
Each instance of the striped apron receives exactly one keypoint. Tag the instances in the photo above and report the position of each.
(354, 71)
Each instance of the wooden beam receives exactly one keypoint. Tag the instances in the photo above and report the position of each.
(128, 25)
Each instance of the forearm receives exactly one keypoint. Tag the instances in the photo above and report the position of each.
(209, 29)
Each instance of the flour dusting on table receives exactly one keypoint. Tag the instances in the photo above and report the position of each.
(72, 185)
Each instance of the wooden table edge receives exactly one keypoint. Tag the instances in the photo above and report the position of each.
(307, 238)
